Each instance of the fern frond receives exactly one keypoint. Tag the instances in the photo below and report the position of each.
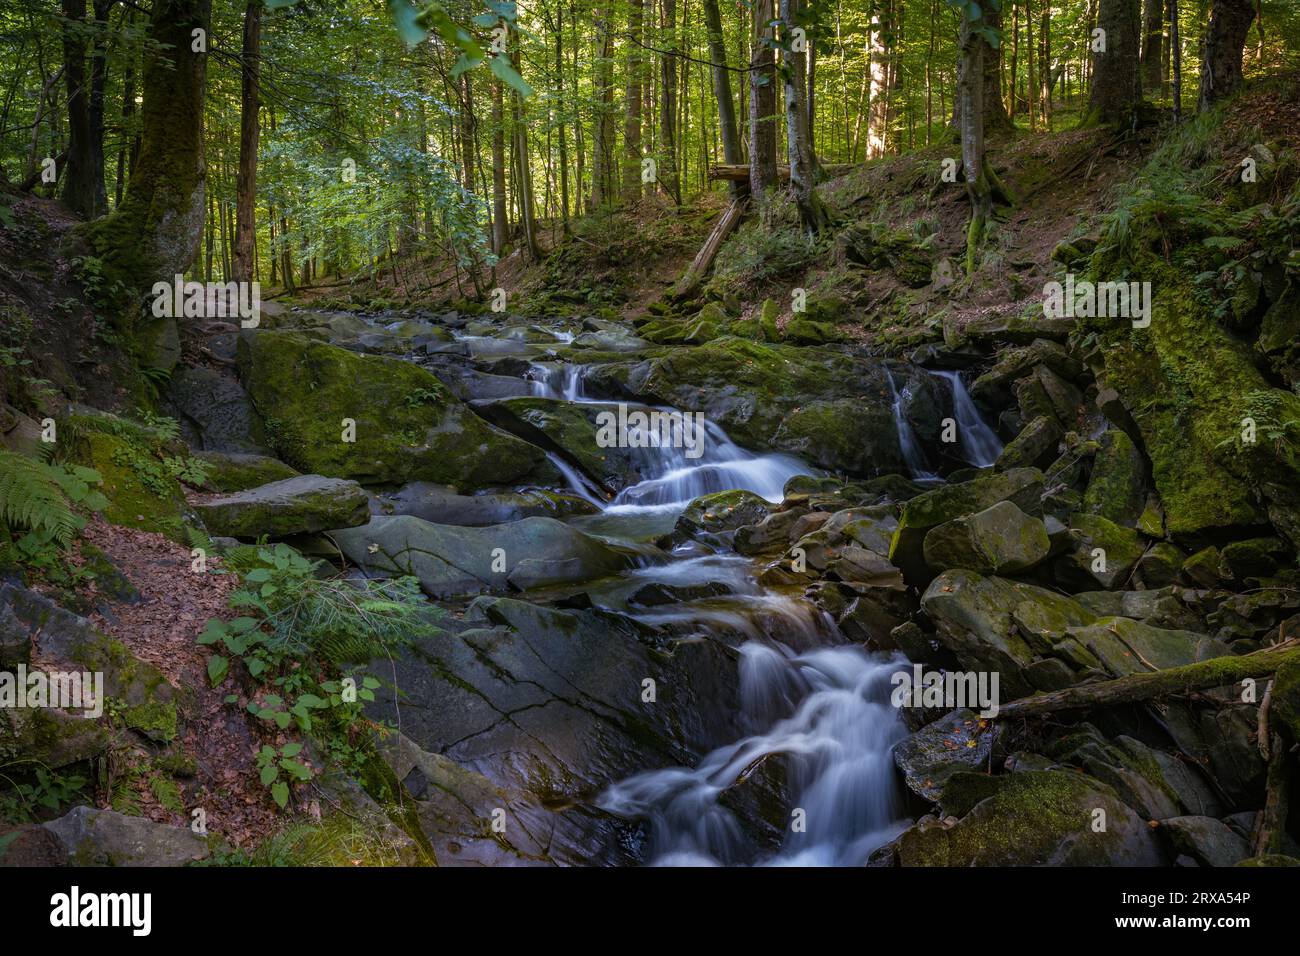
(31, 499)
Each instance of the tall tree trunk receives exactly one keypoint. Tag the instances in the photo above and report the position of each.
(970, 96)
(155, 233)
(98, 81)
(129, 146)
(722, 89)
(1153, 41)
(564, 143)
(78, 174)
(632, 105)
(1176, 74)
(669, 176)
(500, 215)
(1225, 38)
(1116, 81)
(524, 184)
(812, 214)
(762, 105)
(246, 184)
(878, 104)
(602, 160)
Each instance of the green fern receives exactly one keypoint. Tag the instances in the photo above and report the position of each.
(32, 498)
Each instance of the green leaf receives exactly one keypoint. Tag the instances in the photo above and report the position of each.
(255, 666)
(280, 792)
(506, 74)
(311, 700)
(282, 719)
(406, 19)
(258, 575)
(291, 749)
(269, 775)
(294, 768)
(218, 667)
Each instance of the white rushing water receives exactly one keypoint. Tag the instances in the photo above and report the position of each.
(826, 713)
(980, 445)
(910, 445)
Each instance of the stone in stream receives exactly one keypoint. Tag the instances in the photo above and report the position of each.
(957, 741)
(1029, 818)
(998, 540)
(1022, 487)
(440, 505)
(451, 560)
(404, 424)
(719, 513)
(573, 429)
(456, 808)
(299, 505)
(993, 624)
(551, 701)
(1156, 784)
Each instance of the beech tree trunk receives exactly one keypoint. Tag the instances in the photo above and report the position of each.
(722, 87)
(632, 106)
(668, 173)
(762, 105)
(246, 185)
(1225, 38)
(500, 215)
(812, 214)
(970, 95)
(1153, 41)
(1116, 82)
(78, 174)
(155, 233)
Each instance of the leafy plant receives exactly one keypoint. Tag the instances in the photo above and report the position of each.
(50, 791)
(274, 761)
(38, 497)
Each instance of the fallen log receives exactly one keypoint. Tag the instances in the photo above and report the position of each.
(699, 267)
(1133, 688)
(735, 172)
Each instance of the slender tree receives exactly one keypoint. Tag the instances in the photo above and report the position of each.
(246, 187)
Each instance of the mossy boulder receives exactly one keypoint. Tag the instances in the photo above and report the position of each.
(844, 435)
(994, 624)
(1190, 387)
(1023, 487)
(405, 424)
(1034, 818)
(767, 316)
(1104, 554)
(300, 505)
(1035, 447)
(1001, 539)
(1116, 486)
(1130, 647)
(95, 837)
(721, 512)
(572, 429)
(236, 472)
(956, 742)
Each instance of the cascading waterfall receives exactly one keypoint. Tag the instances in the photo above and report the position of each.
(823, 710)
(980, 445)
(826, 712)
(910, 445)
